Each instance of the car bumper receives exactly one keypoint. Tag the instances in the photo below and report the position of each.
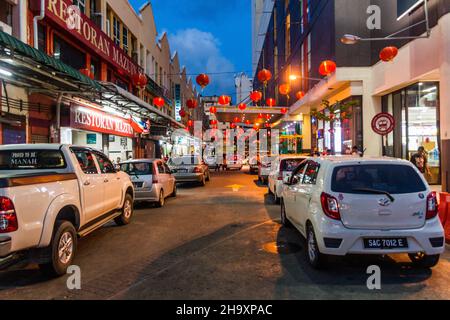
(419, 240)
(188, 177)
(5, 246)
(146, 195)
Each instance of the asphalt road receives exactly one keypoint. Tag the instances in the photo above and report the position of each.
(223, 241)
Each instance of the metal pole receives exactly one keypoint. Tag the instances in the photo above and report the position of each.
(427, 17)
(58, 117)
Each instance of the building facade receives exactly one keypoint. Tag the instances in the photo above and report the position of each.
(109, 45)
(414, 87)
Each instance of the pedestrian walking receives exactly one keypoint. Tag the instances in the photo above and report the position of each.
(420, 160)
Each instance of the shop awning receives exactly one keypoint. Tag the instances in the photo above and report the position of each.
(127, 101)
(32, 68)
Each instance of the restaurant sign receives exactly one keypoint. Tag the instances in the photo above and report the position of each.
(98, 121)
(66, 15)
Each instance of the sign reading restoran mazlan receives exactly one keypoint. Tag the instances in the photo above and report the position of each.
(97, 121)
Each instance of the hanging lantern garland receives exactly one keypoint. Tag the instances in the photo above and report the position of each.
(242, 106)
(256, 96)
(213, 110)
(224, 100)
(284, 89)
(327, 67)
(300, 95)
(271, 102)
(182, 113)
(388, 54)
(202, 80)
(159, 102)
(192, 103)
(264, 76)
(139, 80)
(284, 110)
(190, 123)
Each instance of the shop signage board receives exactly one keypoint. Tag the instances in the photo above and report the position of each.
(383, 124)
(90, 119)
(177, 102)
(90, 35)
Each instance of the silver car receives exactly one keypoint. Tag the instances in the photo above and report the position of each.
(190, 169)
(152, 180)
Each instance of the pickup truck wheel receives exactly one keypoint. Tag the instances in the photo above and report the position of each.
(424, 261)
(63, 248)
(127, 212)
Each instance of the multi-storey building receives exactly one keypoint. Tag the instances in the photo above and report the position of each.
(414, 87)
(90, 55)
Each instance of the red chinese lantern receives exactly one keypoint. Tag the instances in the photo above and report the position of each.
(202, 80)
(260, 116)
(327, 67)
(190, 123)
(159, 102)
(242, 106)
(284, 110)
(268, 125)
(236, 120)
(139, 80)
(256, 96)
(264, 76)
(300, 95)
(213, 110)
(247, 122)
(268, 116)
(284, 89)
(213, 122)
(271, 102)
(182, 113)
(232, 126)
(388, 54)
(192, 103)
(224, 100)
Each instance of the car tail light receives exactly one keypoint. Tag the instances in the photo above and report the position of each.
(330, 206)
(197, 170)
(432, 206)
(8, 217)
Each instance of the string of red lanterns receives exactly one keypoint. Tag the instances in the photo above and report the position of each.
(327, 67)
(202, 80)
(192, 103)
(264, 76)
(159, 102)
(213, 110)
(224, 100)
(388, 54)
(242, 106)
(271, 102)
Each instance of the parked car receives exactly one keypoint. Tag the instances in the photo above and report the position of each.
(253, 162)
(345, 205)
(282, 167)
(264, 169)
(190, 169)
(234, 162)
(152, 179)
(52, 194)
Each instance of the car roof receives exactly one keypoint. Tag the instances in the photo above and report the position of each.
(44, 146)
(357, 159)
(140, 161)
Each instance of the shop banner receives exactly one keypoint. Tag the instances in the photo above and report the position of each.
(97, 121)
(80, 26)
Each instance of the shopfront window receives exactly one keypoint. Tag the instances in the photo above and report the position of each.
(416, 109)
(81, 4)
(68, 54)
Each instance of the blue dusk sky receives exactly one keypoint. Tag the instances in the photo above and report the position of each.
(209, 35)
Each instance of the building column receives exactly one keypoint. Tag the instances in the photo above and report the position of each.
(444, 26)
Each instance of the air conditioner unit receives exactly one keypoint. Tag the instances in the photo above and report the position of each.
(5, 28)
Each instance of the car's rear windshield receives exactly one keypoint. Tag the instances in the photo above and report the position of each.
(31, 159)
(137, 168)
(189, 160)
(395, 179)
(290, 165)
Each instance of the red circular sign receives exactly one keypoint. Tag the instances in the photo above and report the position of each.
(383, 123)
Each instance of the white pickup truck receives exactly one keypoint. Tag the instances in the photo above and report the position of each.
(52, 194)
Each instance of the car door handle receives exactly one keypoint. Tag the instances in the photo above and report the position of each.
(87, 183)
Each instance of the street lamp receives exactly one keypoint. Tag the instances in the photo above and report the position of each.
(351, 39)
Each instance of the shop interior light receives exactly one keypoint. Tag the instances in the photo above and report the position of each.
(293, 77)
(5, 73)
(350, 39)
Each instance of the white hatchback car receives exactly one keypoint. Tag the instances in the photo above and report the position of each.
(281, 168)
(348, 205)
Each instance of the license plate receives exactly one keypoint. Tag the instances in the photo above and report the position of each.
(386, 243)
(138, 184)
